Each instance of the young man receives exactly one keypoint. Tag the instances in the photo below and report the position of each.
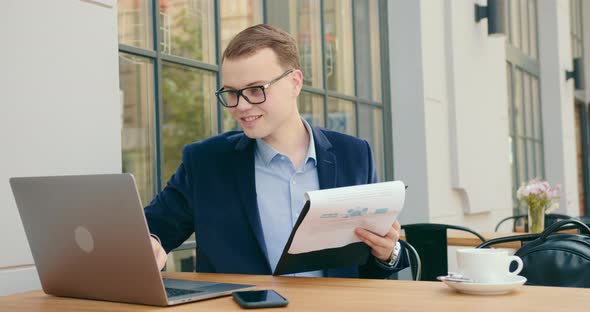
(241, 192)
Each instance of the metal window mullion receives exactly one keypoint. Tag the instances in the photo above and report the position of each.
(341, 96)
(313, 90)
(136, 51)
(385, 95)
(217, 26)
(189, 63)
(354, 73)
(325, 78)
(157, 93)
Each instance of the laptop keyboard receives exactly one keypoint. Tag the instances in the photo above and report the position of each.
(175, 292)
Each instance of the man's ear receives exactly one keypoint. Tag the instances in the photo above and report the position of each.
(297, 80)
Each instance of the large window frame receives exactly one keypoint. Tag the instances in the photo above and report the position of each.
(522, 61)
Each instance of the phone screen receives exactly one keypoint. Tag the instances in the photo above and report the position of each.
(260, 298)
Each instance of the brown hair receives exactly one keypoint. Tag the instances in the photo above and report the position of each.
(261, 36)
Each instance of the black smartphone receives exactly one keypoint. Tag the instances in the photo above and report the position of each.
(259, 299)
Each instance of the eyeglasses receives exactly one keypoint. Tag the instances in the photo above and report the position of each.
(252, 95)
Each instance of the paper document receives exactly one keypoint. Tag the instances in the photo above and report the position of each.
(335, 213)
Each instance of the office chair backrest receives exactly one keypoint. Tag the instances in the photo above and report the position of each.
(430, 241)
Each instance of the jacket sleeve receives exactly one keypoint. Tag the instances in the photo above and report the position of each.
(373, 268)
(170, 215)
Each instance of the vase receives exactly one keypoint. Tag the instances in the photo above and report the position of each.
(536, 219)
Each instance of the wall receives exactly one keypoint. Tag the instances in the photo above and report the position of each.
(450, 114)
(557, 101)
(59, 112)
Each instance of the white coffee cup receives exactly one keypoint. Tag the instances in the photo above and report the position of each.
(487, 265)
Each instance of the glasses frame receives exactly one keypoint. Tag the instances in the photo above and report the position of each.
(219, 93)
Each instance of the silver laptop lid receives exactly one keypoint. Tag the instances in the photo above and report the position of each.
(88, 237)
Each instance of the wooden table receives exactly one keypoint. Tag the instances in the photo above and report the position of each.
(333, 294)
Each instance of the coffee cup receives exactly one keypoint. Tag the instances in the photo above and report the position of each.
(487, 265)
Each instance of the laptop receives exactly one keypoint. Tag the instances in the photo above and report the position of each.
(89, 239)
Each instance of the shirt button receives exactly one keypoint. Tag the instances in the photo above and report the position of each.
(282, 157)
(294, 182)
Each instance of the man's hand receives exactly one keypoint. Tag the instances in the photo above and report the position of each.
(381, 246)
(159, 253)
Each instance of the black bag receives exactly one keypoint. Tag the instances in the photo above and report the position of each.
(558, 259)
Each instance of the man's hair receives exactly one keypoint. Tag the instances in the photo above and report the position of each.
(261, 36)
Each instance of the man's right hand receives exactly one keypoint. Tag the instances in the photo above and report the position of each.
(159, 253)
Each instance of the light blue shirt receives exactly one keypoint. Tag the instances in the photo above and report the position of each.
(280, 190)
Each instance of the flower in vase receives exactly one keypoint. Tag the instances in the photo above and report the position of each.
(541, 198)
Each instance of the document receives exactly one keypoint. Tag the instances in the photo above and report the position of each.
(335, 213)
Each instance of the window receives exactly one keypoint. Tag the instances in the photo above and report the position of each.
(169, 71)
(526, 134)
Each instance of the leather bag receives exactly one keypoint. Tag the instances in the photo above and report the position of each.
(558, 259)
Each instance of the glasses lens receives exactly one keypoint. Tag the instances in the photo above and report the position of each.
(228, 98)
(254, 95)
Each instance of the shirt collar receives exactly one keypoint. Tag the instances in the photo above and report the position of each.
(267, 153)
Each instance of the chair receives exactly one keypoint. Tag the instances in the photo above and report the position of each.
(414, 259)
(549, 219)
(430, 241)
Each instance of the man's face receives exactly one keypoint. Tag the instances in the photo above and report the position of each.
(262, 120)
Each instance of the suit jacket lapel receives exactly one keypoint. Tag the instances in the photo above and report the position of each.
(246, 185)
(326, 160)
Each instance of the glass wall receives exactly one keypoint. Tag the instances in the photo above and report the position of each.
(169, 71)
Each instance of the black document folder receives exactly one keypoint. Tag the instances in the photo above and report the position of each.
(346, 256)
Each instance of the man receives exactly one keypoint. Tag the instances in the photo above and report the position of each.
(241, 192)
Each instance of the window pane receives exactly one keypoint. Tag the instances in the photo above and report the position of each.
(527, 102)
(186, 29)
(518, 105)
(236, 16)
(534, 49)
(136, 86)
(530, 162)
(521, 160)
(302, 20)
(311, 108)
(367, 61)
(524, 25)
(135, 23)
(536, 109)
(509, 93)
(515, 23)
(540, 160)
(338, 46)
(371, 129)
(188, 112)
(341, 116)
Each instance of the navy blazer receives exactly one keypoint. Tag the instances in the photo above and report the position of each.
(213, 194)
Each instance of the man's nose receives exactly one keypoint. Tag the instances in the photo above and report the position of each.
(243, 105)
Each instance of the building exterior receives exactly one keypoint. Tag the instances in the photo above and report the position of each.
(462, 117)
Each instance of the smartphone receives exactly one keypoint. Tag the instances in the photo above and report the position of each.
(259, 299)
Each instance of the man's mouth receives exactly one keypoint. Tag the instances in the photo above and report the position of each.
(251, 118)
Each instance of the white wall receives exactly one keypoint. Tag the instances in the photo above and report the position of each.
(557, 101)
(450, 114)
(59, 112)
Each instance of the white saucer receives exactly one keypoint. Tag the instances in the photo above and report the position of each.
(486, 288)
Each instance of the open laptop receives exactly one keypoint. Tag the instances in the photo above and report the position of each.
(89, 239)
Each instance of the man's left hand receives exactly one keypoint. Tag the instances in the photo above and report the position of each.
(381, 246)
